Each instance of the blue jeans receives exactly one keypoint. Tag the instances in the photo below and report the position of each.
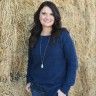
(37, 90)
(40, 93)
(37, 93)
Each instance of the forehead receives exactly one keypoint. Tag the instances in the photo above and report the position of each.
(46, 9)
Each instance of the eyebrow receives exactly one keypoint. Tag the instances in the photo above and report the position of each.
(46, 12)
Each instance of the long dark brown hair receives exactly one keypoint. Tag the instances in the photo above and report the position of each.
(37, 27)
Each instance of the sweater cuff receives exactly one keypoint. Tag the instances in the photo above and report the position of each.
(28, 80)
(65, 89)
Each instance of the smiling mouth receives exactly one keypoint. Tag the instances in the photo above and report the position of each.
(47, 21)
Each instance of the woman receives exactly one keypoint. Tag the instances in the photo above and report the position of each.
(52, 60)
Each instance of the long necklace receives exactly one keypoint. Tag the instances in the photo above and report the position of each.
(42, 58)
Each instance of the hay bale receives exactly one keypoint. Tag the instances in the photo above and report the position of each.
(16, 17)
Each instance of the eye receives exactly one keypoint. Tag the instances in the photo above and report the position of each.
(52, 14)
(43, 13)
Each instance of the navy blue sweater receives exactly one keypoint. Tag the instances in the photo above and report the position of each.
(60, 62)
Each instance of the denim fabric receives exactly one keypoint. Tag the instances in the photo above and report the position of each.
(37, 90)
(38, 93)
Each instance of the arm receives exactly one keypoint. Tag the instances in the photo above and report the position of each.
(28, 76)
(71, 60)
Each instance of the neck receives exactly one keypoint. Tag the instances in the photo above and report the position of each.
(46, 31)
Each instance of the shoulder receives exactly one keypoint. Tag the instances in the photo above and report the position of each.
(64, 32)
(66, 36)
(63, 29)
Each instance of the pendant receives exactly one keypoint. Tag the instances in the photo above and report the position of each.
(42, 65)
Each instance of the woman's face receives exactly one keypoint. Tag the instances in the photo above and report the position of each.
(46, 17)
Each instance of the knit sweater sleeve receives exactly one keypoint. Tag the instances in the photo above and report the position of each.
(71, 60)
(28, 76)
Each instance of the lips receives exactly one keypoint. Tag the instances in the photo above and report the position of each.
(47, 21)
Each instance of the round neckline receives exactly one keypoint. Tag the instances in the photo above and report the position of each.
(45, 35)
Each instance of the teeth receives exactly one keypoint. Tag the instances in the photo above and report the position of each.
(47, 21)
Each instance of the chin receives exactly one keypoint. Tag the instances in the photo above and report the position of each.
(48, 25)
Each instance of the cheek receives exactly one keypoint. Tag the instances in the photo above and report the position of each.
(53, 20)
(41, 17)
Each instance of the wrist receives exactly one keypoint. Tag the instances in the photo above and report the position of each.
(59, 90)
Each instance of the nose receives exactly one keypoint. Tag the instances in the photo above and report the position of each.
(47, 17)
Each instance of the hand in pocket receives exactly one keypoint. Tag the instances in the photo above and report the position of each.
(28, 89)
(60, 93)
